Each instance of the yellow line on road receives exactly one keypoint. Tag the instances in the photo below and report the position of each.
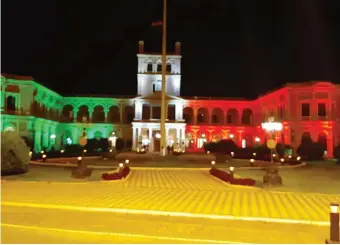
(165, 213)
(100, 233)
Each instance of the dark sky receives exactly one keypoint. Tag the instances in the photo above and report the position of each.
(232, 48)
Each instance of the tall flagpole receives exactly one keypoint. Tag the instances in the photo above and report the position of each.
(163, 105)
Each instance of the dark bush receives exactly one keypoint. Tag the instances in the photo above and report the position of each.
(119, 144)
(280, 149)
(222, 146)
(125, 172)
(73, 149)
(336, 153)
(311, 151)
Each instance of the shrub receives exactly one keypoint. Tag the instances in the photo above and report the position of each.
(311, 150)
(14, 154)
(225, 176)
(119, 144)
(281, 149)
(222, 146)
(336, 153)
(73, 149)
(245, 181)
(112, 176)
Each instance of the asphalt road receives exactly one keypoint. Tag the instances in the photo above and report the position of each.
(36, 225)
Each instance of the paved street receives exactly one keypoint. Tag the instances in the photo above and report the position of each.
(34, 225)
(174, 191)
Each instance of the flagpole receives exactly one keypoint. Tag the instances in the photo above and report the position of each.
(163, 104)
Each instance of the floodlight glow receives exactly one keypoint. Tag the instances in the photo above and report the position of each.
(213, 162)
(272, 126)
(334, 208)
(127, 161)
(53, 136)
(79, 158)
(231, 136)
(158, 135)
(69, 141)
(252, 160)
(257, 139)
(232, 169)
(121, 165)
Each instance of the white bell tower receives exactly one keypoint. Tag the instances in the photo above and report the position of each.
(149, 74)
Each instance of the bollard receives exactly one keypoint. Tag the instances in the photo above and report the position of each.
(334, 224)
(231, 170)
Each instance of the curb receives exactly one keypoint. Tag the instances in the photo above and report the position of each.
(234, 186)
(47, 164)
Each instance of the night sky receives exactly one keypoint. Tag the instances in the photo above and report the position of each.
(230, 48)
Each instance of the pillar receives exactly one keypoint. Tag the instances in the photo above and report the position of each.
(139, 132)
(3, 99)
(121, 114)
(37, 141)
(75, 114)
(178, 137)
(150, 140)
(150, 111)
(90, 114)
(106, 112)
(183, 138)
(46, 139)
(166, 136)
(195, 116)
(134, 145)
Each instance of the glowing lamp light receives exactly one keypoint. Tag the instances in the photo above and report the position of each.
(192, 141)
(121, 165)
(143, 150)
(254, 153)
(61, 151)
(231, 169)
(252, 160)
(257, 139)
(231, 136)
(274, 155)
(272, 126)
(282, 160)
(203, 135)
(158, 135)
(79, 158)
(84, 150)
(334, 208)
(205, 140)
(183, 151)
(44, 156)
(127, 161)
(232, 154)
(298, 158)
(243, 143)
(138, 150)
(208, 152)
(213, 162)
(42, 152)
(110, 150)
(69, 141)
(53, 136)
(289, 156)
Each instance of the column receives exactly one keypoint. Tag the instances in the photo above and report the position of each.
(106, 112)
(209, 116)
(330, 144)
(75, 114)
(139, 132)
(3, 99)
(166, 110)
(178, 137)
(183, 138)
(195, 116)
(150, 111)
(90, 114)
(37, 141)
(45, 142)
(179, 111)
(150, 140)
(166, 137)
(121, 114)
(134, 145)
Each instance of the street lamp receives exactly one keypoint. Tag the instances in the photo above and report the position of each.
(272, 176)
(272, 127)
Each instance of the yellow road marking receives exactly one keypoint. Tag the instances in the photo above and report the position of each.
(100, 233)
(165, 213)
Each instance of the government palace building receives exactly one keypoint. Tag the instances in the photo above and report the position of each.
(48, 119)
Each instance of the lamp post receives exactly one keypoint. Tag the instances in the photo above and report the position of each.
(163, 104)
(272, 176)
(272, 127)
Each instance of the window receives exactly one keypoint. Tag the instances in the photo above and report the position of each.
(322, 110)
(159, 67)
(157, 86)
(10, 103)
(168, 67)
(214, 119)
(229, 119)
(149, 68)
(281, 112)
(305, 110)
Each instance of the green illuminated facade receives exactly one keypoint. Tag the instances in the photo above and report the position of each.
(48, 119)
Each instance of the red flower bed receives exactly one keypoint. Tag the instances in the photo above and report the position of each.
(230, 179)
(123, 173)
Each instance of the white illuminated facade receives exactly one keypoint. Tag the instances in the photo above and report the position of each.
(146, 124)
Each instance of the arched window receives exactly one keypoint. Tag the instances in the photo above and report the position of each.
(159, 67)
(168, 67)
(10, 103)
(157, 86)
(149, 68)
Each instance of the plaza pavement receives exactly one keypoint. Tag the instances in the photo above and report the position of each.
(189, 192)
